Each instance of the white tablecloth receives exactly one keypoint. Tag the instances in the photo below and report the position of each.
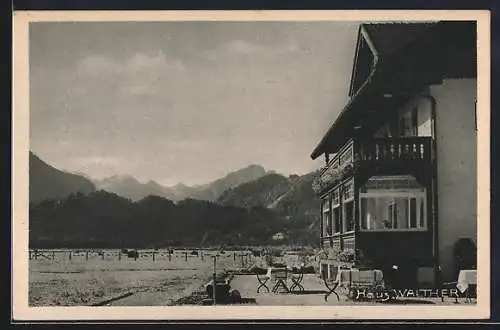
(347, 277)
(466, 277)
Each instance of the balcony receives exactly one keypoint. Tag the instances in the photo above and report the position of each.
(396, 149)
(376, 152)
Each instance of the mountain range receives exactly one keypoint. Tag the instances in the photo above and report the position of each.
(102, 213)
(48, 182)
(129, 187)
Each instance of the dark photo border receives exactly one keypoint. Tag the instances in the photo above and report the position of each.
(492, 6)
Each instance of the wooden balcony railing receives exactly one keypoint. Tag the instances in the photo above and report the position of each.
(396, 149)
(381, 150)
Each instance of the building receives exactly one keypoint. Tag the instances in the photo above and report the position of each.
(278, 236)
(398, 188)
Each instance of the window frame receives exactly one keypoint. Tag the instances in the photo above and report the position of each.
(414, 121)
(325, 216)
(418, 194)
(336, 207)
(348, 186)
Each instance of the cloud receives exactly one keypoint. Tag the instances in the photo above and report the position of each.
(243, 48)
(137, 75)
(141, 89)
(142, 62)
(98, 64)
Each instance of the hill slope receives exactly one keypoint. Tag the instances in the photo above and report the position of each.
(261, 192)
(231, 180)
(47, 182)
(290, 198)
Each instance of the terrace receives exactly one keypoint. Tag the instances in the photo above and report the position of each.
(314, 295)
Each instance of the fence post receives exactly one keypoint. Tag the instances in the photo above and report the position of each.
(86, 255)
(102, 255)
(29, 253)
(153, 256)
(136, 254)
(214, 284)
(202, 256)
(169, 256)
(36, 254)
(119, 255)
(53, 255)
(70, 255)
(186, 256)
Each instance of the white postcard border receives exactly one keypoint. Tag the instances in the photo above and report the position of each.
(20, 128)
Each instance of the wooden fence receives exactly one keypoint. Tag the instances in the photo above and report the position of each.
(245, 258)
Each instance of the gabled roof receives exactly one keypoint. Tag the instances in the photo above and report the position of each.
(406, 54)
(387, 38)
(378, 41)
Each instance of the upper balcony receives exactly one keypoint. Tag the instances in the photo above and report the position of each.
(375, 152)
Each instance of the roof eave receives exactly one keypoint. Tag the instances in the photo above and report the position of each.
(320, 148)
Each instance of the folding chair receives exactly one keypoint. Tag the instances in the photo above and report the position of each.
(331, 282)
(262, 279)
(296, 281)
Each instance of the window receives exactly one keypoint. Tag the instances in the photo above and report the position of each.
(348, 216)
(414, 121)
(407, 124)
(348, 189)
(403, 127)
(393, 128)
(329, 222)
(326, 217)
(392, 216)
(337, 219)
(412, 213)
(348, 206)
(337, 214)
(392, 203)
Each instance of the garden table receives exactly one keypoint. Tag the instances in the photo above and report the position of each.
(280, 275)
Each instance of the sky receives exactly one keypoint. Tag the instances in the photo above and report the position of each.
(185, 101)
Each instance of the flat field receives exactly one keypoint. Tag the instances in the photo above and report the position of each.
(87, 279)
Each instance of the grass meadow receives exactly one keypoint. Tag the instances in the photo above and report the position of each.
(88, 278)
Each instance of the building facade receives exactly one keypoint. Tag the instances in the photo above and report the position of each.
(398, 187)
